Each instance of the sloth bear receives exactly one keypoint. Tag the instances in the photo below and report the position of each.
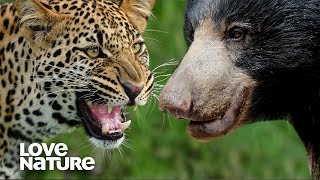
(248, 60)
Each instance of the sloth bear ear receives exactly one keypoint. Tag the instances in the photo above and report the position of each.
(37, 19)
(138, 11)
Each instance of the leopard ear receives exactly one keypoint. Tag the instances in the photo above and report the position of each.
(37, 18)
(138, 11)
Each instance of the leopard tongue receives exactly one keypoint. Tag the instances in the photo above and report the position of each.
(109, 120)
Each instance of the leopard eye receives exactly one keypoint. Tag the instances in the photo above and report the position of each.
(93, 52)
(137, 48)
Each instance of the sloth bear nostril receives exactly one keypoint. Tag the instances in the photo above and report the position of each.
(175, 104)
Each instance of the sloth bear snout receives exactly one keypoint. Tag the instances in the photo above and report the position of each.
(247, 60)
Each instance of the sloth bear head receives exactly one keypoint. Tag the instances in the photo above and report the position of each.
(248, 60)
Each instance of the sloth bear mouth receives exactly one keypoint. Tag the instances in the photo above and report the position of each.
(208, 129)
(101, 121)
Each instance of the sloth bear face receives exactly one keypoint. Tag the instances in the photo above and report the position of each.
(247, 60)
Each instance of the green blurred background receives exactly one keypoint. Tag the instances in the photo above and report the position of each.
(158, 146)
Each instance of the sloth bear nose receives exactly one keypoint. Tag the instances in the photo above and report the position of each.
(175, 104)
(132, 91)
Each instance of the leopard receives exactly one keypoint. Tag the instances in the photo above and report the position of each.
(68, 64)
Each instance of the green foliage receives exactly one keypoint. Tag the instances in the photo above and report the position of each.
(159, 146)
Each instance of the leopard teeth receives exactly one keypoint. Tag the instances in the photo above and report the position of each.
(123, 126)
(114, 131)
(89, 103)
(105, 128)
(110, 109)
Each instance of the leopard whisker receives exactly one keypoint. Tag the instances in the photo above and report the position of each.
(138, 115)
(127, 145)
(156, 85)
(85, 146)
(95, 147)
(75, 81)
(120, 151)
(87, 96)
(153, 39)
(165, 75)
(107, 154)
(150, 113)
(147, 109)
(56, 78)
(170, 63)
(158, 31)
(155, 96)
(163, 79)
(68, 90)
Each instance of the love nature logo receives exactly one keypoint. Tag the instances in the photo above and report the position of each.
(55, 158)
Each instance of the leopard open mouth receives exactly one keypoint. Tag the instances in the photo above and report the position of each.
(101, 121)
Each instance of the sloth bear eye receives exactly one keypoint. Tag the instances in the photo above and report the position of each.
(236, 34)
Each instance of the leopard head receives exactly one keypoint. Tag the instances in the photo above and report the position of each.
(89, 60)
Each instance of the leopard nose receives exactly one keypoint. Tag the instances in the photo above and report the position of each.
(132, 91)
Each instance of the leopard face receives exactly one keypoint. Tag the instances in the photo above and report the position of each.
(101, 59)
(70, 63)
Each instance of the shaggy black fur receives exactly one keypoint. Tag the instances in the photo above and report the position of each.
(283, 56)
